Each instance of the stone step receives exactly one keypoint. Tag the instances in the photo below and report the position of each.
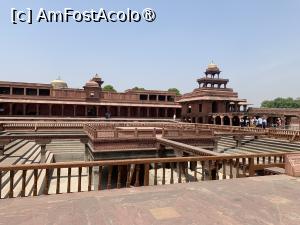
(18, 153)
(279, 147)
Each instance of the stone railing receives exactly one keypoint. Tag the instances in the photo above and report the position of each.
(128, 173)
(290, 135)
(95, 132)
(42, 125)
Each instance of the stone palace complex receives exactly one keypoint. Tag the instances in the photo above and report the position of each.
(213, 102)
(158, 149)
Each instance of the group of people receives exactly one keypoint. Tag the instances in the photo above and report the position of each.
(260, 122)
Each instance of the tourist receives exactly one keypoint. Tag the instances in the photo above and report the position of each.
(255, 123)
(264, 123)
(259, 122)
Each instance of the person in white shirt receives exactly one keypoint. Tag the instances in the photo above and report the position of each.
(259, 121)
(264, 123)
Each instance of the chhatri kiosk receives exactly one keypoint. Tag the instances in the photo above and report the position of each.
(213, 102)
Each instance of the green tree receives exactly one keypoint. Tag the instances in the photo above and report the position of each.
(109, 88)
(174, 90)
(138, 89)
(281, 103)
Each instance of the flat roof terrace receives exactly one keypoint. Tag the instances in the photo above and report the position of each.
(256, 200)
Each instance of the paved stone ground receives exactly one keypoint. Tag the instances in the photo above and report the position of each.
(259, 200)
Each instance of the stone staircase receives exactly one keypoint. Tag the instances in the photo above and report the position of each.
(22, 152)
(254, 146)
(66, 150)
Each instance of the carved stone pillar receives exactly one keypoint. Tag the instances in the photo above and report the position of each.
(230, 120)
(222, 120)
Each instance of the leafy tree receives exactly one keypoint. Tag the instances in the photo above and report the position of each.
(281, 103)
(138, 89)
(174, 90)
(109, 88)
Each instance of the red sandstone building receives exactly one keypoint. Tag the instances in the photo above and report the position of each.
(57, 100)
(213, 102)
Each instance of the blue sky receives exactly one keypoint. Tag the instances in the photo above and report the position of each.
(256, 44)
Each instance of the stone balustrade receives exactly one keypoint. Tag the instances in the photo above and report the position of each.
(138, 172)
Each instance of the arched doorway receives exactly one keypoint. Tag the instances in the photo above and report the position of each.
(218, 120)
(226, 120)
(200, 120)
(210, 120)
(236, 121)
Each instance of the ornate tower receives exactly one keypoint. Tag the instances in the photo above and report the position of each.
(210, 81)
(98, 80)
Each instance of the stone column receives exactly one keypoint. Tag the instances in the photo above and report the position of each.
(62, 110)
(157, 112)
(97, 111)
(86, 110)
(24, 109)
(119, 111)
(50, 110)
(166, 112)
(37, 109)
(148, 112)
(10, 109)
(74, 110)
(128, 112)
(43, 143)
(222, 120)
(230, 120)
(214, 119)
(139, 112)
(283, 122)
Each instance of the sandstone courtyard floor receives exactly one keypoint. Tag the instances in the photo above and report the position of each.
(257, 200)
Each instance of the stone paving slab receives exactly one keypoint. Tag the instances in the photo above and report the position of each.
(259, 200)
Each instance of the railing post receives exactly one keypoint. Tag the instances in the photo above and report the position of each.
(135, 132)
(146, 175)
(251, 167)
(154, 132)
